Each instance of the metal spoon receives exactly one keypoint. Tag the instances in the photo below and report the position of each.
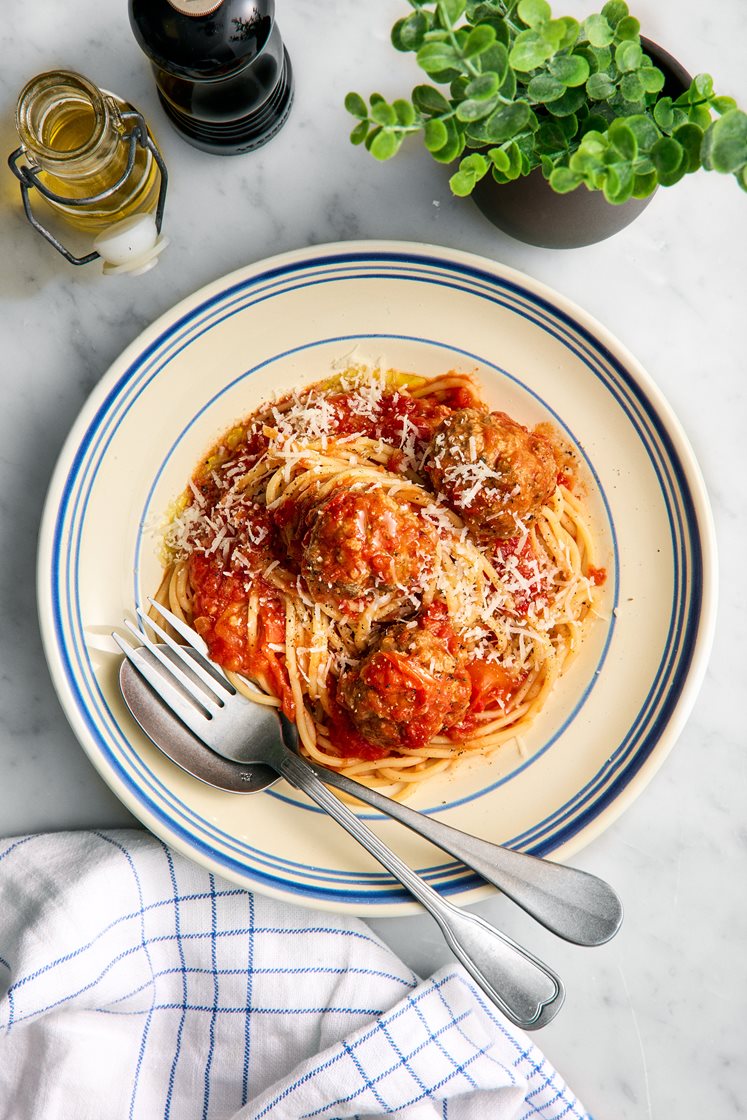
(573, 904)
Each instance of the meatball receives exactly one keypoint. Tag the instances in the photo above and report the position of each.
(490, 470)
(406, 689)
(359, 541)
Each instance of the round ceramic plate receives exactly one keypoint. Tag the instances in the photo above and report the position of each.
(288, 322)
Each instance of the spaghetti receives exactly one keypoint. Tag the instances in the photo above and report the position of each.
(402, 571)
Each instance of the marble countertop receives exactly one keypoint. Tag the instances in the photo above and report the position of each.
(654, 1022)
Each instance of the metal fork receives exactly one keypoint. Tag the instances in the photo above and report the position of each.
(525, 989)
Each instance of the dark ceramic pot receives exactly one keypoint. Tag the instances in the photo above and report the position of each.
(529, 210)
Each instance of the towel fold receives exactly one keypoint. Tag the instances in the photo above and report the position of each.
(135, 984)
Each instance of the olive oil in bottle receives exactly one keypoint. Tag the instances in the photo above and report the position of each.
(72, 137)
(222, 73)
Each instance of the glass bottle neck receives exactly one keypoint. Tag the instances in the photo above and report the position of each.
(67, 126)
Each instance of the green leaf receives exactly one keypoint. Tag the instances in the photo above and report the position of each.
(691, 139)
(476, 163)
(479, 40)
(741, 177)
(628, 56)
(373, 133)
(494, 20)
(618, 185)
(702, 85)
(700, 115)
(596, 29)
(435, 57)
(551, 138)
(515, 162)
(645, 131)
(569, 103)
(568, 125)
(405, 112)
(627, 28)
(471, 169)
(544, 88)
(451, 11)
(507, 121)
(722, 105)
(359, 133)
(429, 100)
(563, 180)
(458, 87)
(571, 70)
(483, 87)
(594, 122)
(600, 87)
(603, 56)
(383, 114)
(631, 87)
(472, 110)
(595, 143)
(725, 142)
(534, 12)
(435, 134)
(622, 138)
(664, 113)
(385, 144)
(355, 104)
(453, 146)
(590, 55)
(645, 185)
(668, 157)
(529, 51)
(651, 78)
(408, 34)
(499, 159)
(478, 10)
(462, 183)
(614, 11)
(494, 61)
(563, 33)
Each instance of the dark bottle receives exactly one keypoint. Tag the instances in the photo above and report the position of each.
(222, 73)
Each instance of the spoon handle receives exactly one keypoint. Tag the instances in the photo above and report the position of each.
(573, 904)
(526, 990)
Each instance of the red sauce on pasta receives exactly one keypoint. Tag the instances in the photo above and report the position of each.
(361, 545)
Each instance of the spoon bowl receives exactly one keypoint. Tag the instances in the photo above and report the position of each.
(178, 743)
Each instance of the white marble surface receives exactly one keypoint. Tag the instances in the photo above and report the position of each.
(654, 1022)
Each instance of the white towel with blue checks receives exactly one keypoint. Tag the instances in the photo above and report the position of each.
(135, 984)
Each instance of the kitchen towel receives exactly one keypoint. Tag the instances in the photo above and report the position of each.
(136, 984)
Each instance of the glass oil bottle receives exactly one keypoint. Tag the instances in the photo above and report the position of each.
(88, 153)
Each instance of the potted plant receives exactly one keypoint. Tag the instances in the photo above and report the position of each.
(536, 107)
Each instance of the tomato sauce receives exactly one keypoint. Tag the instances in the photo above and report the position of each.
(347, 740)
(220, 607)
(388, 416)
(435, 619)
(492, 686)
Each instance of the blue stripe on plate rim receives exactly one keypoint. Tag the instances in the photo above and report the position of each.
(666, 689)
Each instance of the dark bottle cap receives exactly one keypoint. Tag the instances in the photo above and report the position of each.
(201, 39)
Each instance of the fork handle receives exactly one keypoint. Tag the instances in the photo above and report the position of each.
(575, 905)
(528, 992)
